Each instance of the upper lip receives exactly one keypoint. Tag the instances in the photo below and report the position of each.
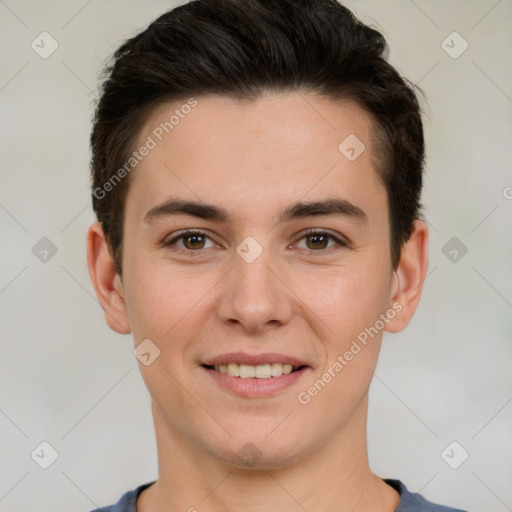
(254, 359)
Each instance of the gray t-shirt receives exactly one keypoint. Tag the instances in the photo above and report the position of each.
(409, 502)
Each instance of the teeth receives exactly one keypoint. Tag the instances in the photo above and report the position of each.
(233, 370)
(287, 368)
(276, 369)
(247, 372)
(262, 371)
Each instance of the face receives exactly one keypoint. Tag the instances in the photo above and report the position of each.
(255, 247)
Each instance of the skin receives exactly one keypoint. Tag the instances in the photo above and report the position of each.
(299, 297)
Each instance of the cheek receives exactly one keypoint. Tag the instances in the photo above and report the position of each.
(162, 302)
(349, 303)
(347, 299)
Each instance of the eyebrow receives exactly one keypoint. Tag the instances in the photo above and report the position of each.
(332, 206)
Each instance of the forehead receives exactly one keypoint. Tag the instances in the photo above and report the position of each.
(253, 155)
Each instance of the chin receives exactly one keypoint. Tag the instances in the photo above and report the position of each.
(260, 454)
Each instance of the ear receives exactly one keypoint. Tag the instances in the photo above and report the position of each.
(408, 278)
(106, 281)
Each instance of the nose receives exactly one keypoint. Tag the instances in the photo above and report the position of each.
(255, 296)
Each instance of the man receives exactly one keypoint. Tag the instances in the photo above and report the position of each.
(257, 171)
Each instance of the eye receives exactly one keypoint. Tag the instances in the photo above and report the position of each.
(195, 241)
(190, 241)
(320, 240)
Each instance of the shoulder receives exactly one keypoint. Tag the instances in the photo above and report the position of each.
(413, 502)
(127, 502)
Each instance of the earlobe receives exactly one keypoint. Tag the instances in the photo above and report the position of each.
(106, 281)
(409, 277)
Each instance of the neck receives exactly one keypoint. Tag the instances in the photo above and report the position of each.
(334, 477)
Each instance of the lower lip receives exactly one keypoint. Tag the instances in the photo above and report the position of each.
(253, 387)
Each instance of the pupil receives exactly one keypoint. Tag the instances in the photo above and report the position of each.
(194, 240)
(318, 241)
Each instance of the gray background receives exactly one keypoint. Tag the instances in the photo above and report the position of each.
(68, 380)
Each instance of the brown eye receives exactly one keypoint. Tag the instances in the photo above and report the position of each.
(317, 241)
(194, 241)
(320, 241)
(190, 241)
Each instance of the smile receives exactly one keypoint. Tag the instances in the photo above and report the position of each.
(260, 371)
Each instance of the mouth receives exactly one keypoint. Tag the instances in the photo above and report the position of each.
(260, 371)
(255, 376)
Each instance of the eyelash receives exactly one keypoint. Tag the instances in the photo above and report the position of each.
(309, 232)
